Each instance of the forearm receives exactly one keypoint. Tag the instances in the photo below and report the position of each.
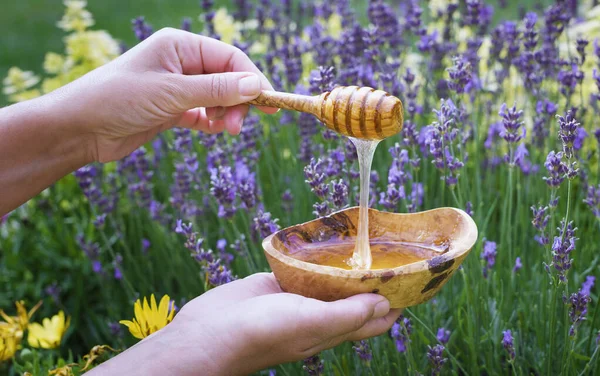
(169, 352)
(39, 144)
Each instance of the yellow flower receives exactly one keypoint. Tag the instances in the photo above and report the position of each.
(76, 17)
(50, 334)
(334, 25)
(150, 318)
(54, 63)
(21, 320)
(51, 84)
(18, 81)
(92, 47)
(8, 346)
(439, 6)
(226, 27)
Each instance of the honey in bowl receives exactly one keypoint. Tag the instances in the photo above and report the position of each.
(385, 254)
(414, 254)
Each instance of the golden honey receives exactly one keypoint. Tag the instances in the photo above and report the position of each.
(385, 254)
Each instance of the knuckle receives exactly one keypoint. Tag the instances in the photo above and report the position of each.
(361, 319)
(218, 87)
(164, 35)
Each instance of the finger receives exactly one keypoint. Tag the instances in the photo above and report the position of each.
(200, 55)
(194, 119)
(215, 126)
(375, 326)
(332, 319)
(234, 118)
(215, 90)
(215, 113)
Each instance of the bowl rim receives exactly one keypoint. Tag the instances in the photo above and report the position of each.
(466, 242)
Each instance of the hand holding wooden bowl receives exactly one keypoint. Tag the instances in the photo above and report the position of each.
(429, 247)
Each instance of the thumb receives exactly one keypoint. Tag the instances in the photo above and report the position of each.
(348, 315)
(218, 89)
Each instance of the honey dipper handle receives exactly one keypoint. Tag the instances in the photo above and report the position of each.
(286, 101)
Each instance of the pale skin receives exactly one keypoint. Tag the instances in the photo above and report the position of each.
(175, 78)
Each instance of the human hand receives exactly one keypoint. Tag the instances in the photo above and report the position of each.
(251, 324)
(173, 78)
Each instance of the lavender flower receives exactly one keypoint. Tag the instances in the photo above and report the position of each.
(478, 14)
(518, 265)
(562, 247)
(186, 24)
(540, 221)
(215, 273)
(567, 132)
(321, 209)
(339, 194)
(363, 351)
(316, 178)
(443, 336)
(588, 284)
(400, 332)
(145, 246)
(581, 44)
(141, 29)
(489, 255)
(513, 130)
(461, 76)
(218, 274)
(578, 303)
(313, 365)
(287, 201)
(223, 190)
(115, 329)
(90, 182)
(508, 344)
(53, 291)
(416, 197)
(117, 273)
(556, 168)
(263, 224)
(92, 251)
(435, 355)
(568, 80)
(322, 80)
(592, 199)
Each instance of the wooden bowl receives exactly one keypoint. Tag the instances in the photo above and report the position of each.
(441, 238)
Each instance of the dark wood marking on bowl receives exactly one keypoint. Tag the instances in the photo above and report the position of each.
(435, 282)
(366, 276)
(305, 236)
(438, 265)
(335, 225)
(375, 291)
(346, 222)
(385, 277)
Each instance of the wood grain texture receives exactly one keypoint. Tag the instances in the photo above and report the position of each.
(403, 286)
(360, 112)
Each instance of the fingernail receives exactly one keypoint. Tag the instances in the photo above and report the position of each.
(249, 86)
(381, 309)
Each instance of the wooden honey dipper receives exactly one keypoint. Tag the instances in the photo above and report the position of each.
(359, 112)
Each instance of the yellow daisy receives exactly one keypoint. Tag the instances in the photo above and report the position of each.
(22, 318)
(8, 345)
(50, 333)
(150, 318)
